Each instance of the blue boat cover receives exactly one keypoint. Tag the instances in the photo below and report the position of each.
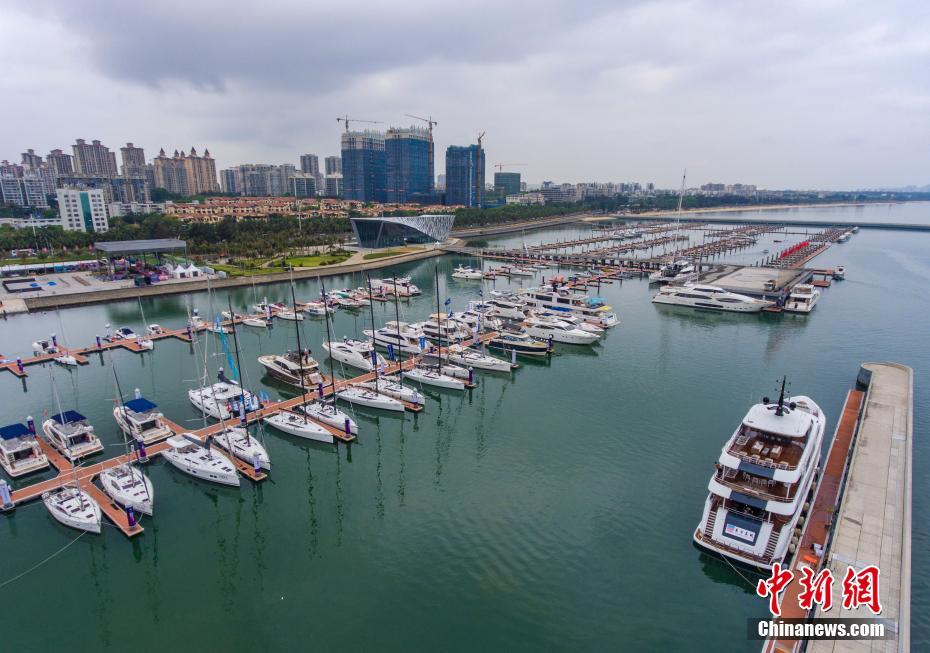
(68, 416)
(140, 405)
(13, 431)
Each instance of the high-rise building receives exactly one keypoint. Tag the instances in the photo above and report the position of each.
(507, 182)
(133, 160)
(82, 210)
(302, 184)
(333, 185)
(464, 175)
(409, 158)
(310, 164)
(11, 191)
(59, 162)
(231, 180)
(28, 190)
(440, 182)
(93, 159)
(280, 179)
(185, 174)
(31, 160)
(364, 166)
(333, 165)
(255, 179)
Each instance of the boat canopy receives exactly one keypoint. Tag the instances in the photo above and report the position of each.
(140, 405)
(793, 422)
(68, 416)
(13, 431)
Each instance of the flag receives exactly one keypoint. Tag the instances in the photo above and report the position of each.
(448, 301)
(450, 312)
(390, 349)
(480, 292)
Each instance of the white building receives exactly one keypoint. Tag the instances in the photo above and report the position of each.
(82, 210)
(526, 199)
(119, 209)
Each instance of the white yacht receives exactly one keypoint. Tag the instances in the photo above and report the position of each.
(293, 366)
(802, 299)
(471, 358)
(369, 398)
(400, 286)
(761, 482)
(590, 309)
(439, 327)
(72, 435)
(709, 297)
(221, 399)
(141, 420)
(356, 353)
(188, 453)
(123, 333)
(515, 339)
(681, 271)
(432, 376)
(392, 387)
(839, 272)
(129, 487)
(73, 507)
(400, 335)
(40, 347)
(509, 309)
(558, 331)
(290, 314)
(473, 319)
(465, 272)
(238, 442)
(20, 452)
(256, 322)
(568, 318)
(328, 413)
(518, 271)
(299, 426)
(317, 308)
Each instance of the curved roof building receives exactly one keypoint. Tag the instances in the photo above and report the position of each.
(373, 233)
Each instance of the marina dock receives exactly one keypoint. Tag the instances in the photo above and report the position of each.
(861, 513)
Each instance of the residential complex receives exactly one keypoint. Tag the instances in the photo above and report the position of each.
(185, 174)
(133, 159)
(93, 159)
(82, 210)
(464, 175)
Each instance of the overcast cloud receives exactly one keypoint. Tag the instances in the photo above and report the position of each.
(806, 94)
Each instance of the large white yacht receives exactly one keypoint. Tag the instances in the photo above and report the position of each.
(590, 309)
(20, 452)
(356, 353)
(761, 482)
(400, 335)
(438, 326)
(709, 297)
(558, 331)
(802, 299)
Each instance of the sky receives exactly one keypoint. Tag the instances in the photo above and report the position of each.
(805, 94)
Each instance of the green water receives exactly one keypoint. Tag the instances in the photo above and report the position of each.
(551, 509)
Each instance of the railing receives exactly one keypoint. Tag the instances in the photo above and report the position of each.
(759, 461)
(752, 489)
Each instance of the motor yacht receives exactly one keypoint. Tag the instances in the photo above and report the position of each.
(802, 299)
(40, 347)
(473, 319)
(299, 426)
(680, 271)
(193, 456)
(221, 399)
(289, 314)
(155, 330)
(558, 331)
(513, 339)
(705, 297)
(839, 272)
(72, 435)
(518, 271)
(509, 309)
(762, 481)
(470, 358)
(400, 335)
(589, 309)
(400, 286)
(439, 327)
(129, 487)
(238, 442)
(569, 318)
(123, 333)
(356, 353)
(465, 272)
(73, 507)
(290, 367)
(20, 452)
(141, 420)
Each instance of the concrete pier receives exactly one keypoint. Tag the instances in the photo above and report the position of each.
(873, 523)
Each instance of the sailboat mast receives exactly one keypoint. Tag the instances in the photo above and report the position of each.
(438, 319)
(239, 365)
(300, 351)
(374, 353)
(681, 196)
(400, 349)
(329, 338)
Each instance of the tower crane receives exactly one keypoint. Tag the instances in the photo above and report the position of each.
(479, 182)
(346, 120)
(500, 166)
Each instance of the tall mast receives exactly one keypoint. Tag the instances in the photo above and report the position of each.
(241, 379)
(681, 196)
(439, 319)
(300, 351)
(329, 338)
(374, 352)
(400, 349)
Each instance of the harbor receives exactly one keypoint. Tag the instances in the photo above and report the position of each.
(570, 486)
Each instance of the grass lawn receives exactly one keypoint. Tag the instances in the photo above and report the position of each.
(314, 261)
(236, 271)
(390, 252)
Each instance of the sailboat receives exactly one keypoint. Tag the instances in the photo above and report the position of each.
(72, 506)
(190, 454)
(426, 375)
(143, 342)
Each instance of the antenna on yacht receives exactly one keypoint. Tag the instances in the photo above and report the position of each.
(780, 410)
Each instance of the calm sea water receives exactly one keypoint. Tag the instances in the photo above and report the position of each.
(551, 509)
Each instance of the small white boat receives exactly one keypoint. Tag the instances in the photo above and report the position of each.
(301, 427)
(188, 453)
(257, 322)
(466, 272)
(155, 329)
(123, 333)
(73, 507)
(839, 272)
(427, 376)
(366, 397)
(40, 347)
(356, 353)
(287, 314)
(567, 317)
(559, 331)
(238, 442)
(20, 452)
(66, 359)
(129, 487)
(146, 344)
(518, 271)
(392, 387)
(802, 299)
(317, 308)
(330, 414)
(471, 358)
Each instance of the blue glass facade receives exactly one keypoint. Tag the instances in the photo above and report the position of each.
(364, 166)
(464, 175)
(409, 164)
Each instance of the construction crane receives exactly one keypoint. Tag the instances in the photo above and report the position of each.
(430, 122)
(500, 166)
(346, 120)
(479, 182)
